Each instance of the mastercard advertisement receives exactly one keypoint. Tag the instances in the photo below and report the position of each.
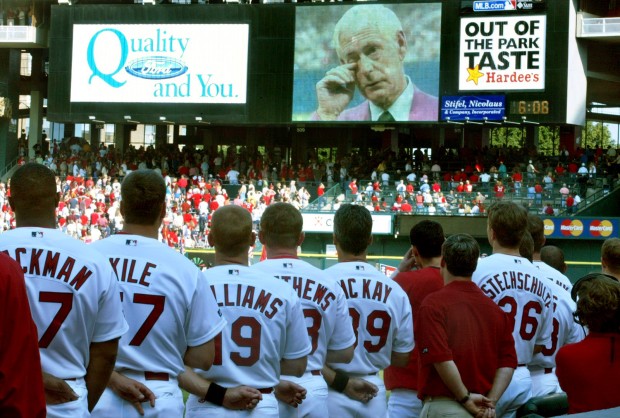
(588, 228)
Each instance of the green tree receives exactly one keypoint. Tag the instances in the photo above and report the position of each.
(596, 134)
(548, 140)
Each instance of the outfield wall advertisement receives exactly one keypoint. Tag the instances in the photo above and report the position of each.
(584, 228)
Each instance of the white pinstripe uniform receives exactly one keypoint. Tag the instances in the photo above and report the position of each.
(327, 321)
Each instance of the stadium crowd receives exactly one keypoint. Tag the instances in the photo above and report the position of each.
(452, 182)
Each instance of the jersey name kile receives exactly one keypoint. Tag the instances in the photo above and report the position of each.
(247, 297)
(52, 264)
(379, 292)
(507, 280)
(308, 289)
(124, 269)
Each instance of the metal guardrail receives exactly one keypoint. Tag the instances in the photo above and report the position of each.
(7, 169)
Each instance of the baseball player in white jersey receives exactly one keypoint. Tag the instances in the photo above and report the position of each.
(265, 334)
(73, 296)
(172, 314)
(519, 289)
(565, 329)
(322, 300)
(381, 315)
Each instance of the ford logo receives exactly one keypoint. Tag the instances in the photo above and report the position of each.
(156, 68)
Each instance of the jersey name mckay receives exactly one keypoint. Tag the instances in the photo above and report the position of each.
(371, 289)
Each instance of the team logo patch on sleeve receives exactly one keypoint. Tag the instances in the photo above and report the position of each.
(131, 242)
(37, 234)
(233, 272)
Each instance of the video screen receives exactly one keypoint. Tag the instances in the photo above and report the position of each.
(160, 63)
(367, 63)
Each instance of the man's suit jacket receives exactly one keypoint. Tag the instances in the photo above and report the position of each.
(423, 108)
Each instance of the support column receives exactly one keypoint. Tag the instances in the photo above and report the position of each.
(9, 82)
(161, 135)
(95, 135)
(36, 104)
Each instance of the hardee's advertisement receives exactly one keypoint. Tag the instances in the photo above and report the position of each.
(588, 228)
(160, 63)
(502, 53)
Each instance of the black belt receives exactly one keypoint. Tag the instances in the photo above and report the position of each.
(266, 390)
(156, 376)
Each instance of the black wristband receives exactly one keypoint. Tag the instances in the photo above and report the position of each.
(215, 394)
(340, 382)
(465, 398)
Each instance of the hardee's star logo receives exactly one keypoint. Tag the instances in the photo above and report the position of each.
(474, 74)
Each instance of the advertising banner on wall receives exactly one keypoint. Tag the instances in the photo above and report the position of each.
(584, 228)
(324, 222)
(160, 63)
(502, 53)
(473, 107)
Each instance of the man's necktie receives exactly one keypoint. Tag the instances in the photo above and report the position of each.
(386, 117)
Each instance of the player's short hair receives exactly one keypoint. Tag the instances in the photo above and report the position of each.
(373, 16)
(281, 225)
(553, 256)
(353, 228)
(33, 189)
(526, 249)
(598, 302)
(427, 236)
(231, 230)
(143, 193)
(509, 222)
(460, 253)
(610, 253)
(536, 227)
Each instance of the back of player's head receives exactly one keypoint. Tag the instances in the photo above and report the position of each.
(536, 227)
(353, 228)
(526, 249)
(143, 194)
(554, 257)
(231, 230)
(598, 302)
(281, 225)
(610, 255)
(33, 189)
(460, 253)
(427, 236)
(508, 221)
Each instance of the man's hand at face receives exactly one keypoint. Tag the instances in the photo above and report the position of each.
(335, 91)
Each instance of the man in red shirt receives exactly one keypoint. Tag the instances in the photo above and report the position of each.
(320, 191)
(570, 203)
(21, 386)
(418, 275)
(467, 353)
(406, 207)
(353, 187)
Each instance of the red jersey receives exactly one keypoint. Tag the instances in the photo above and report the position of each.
(417, 284)
(462, 324)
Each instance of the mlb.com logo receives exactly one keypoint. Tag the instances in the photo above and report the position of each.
(494, 5)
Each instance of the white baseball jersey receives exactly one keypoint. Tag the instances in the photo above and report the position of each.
(265, 325)
(554, 275)
(520, 290)
(324, 306)
(73, 295)
(381, 315)
(168, 304)
(565, 329)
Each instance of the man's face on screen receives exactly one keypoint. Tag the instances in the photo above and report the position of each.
(379, 62)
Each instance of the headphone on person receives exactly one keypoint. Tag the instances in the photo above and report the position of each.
(588, 278)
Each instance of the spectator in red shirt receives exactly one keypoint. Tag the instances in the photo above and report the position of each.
(406, 207)
(353, 187)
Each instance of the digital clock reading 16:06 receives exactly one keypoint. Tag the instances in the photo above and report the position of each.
(529, 107)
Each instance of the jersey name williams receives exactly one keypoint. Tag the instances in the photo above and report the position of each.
(52, 264)
(508, 280)
(247, 297)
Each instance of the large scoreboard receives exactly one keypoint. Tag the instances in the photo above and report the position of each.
(317, 63)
